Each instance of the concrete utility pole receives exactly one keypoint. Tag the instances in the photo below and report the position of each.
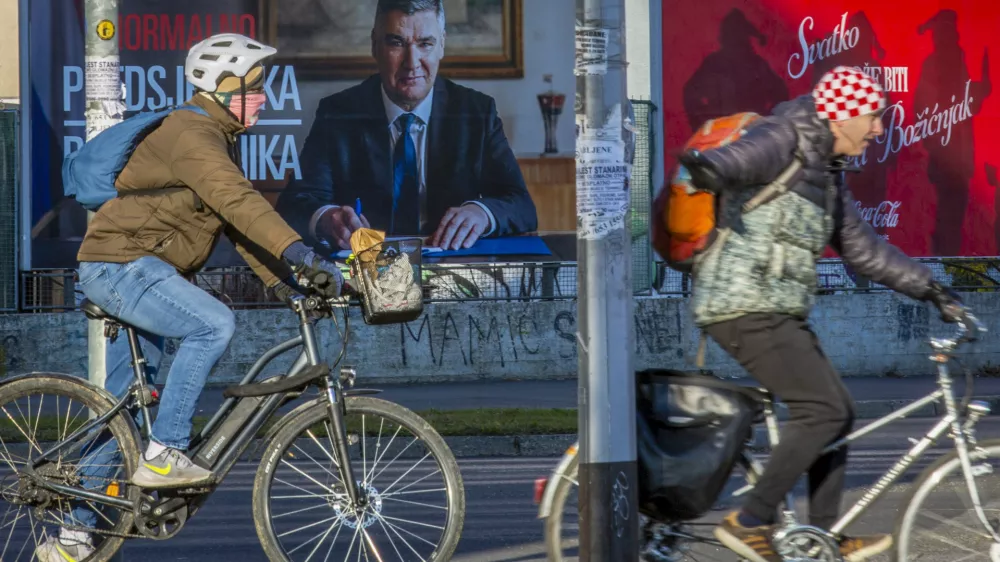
(102, 77)
(609, 526)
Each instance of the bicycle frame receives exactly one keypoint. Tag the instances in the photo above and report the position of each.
(962, 434)
(228, 443)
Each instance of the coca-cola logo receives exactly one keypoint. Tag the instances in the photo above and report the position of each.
(884, 215)
(840, 40)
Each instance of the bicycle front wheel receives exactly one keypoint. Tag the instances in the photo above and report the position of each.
(414, 505)
(940, 521)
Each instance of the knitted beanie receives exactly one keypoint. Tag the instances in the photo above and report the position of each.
(846, 92)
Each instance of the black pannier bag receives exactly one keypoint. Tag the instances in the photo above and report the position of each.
(691, 430)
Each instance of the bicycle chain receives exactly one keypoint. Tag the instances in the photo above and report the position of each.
(103, 532)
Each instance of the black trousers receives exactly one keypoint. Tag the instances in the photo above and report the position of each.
(783, 354)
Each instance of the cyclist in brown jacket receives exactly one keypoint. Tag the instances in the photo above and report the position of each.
(181, 189)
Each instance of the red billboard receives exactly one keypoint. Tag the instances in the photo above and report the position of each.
(929, 183)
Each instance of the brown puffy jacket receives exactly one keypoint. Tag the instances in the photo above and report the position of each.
(180, 190)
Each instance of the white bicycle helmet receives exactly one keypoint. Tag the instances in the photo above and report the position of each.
(221, 55)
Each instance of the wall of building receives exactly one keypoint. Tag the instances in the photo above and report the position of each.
(864, 335)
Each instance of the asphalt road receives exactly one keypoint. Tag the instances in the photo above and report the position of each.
(500, 523)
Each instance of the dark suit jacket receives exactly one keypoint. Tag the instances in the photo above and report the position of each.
(347, 156)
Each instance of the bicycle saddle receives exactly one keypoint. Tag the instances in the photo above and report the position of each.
(94, 312)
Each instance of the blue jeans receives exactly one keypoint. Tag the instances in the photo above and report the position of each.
(149, 294)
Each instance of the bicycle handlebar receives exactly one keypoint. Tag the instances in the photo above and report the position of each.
(969, 330)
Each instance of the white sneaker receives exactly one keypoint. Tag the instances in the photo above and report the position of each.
(63, 550)
(169, 469)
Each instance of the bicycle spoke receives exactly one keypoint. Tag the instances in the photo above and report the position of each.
(300, 510)
(317, 463)
(389, 536)
(442, 508)
(320, 534)
(317, 482)
(378, 445)
(386, 494)
(397, 528)
(309, 526)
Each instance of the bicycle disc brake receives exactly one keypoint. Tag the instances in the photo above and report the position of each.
(153, 525)
(806, 544)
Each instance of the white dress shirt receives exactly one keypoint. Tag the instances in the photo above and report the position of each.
(418, 131)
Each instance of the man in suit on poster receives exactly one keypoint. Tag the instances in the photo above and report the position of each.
(415, 153)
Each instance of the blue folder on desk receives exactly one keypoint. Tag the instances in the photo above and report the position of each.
(485, 247)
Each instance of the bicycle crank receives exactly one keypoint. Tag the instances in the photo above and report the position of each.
(158, 519)
(806, 544)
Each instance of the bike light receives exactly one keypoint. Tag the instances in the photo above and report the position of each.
(540, 485)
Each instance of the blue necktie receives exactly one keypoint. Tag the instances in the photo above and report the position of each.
(406, 190)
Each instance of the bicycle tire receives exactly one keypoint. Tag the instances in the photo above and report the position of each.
(121, 425)
(926, 482)
(553, 523)
(318, 412)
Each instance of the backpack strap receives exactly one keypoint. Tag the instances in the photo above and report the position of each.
(779, 186)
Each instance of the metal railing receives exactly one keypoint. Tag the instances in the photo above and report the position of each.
(53, 290)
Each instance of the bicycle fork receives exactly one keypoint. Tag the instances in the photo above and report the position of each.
(334, 399)
(964, 437)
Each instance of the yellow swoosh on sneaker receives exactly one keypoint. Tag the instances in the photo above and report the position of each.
(63, 553)
(160, 471)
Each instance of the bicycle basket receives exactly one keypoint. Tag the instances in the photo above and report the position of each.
(388, 279)
(691, 430)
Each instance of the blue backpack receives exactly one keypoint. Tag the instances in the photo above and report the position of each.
(89, 173)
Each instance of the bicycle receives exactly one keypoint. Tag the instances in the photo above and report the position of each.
(803, 543)
(46, 484)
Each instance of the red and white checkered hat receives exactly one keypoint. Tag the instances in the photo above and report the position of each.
(846, 92)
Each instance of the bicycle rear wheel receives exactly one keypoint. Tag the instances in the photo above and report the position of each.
(36, 412)
(403, 466)
(939, 521)
(661, 543)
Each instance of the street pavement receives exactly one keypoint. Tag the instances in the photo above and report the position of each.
(500, 522)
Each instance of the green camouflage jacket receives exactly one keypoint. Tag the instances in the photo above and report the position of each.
(765, 259)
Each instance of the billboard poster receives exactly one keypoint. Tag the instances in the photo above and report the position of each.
(324, 48)
(929, 183)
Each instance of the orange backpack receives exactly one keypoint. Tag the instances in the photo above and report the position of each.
(684, 216)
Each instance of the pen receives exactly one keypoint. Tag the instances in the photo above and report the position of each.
(357, 206)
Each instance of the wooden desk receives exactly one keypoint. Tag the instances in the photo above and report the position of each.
(551, 181)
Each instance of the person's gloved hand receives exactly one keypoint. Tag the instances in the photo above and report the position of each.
(947, 301)
(314, 272)
(703, 173)
(285, 291)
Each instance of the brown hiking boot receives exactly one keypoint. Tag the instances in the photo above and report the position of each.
(752, 543)
(855, 549)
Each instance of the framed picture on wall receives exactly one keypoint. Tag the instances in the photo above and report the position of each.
(331, 39)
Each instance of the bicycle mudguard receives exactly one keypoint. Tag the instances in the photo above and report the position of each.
(73, 379)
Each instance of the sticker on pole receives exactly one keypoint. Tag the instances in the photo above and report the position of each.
(602, 196)
(591, 51)
(106, 29)
(103, 78)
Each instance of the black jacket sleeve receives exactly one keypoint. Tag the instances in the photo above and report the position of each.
(856, 241)
(759, 156)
